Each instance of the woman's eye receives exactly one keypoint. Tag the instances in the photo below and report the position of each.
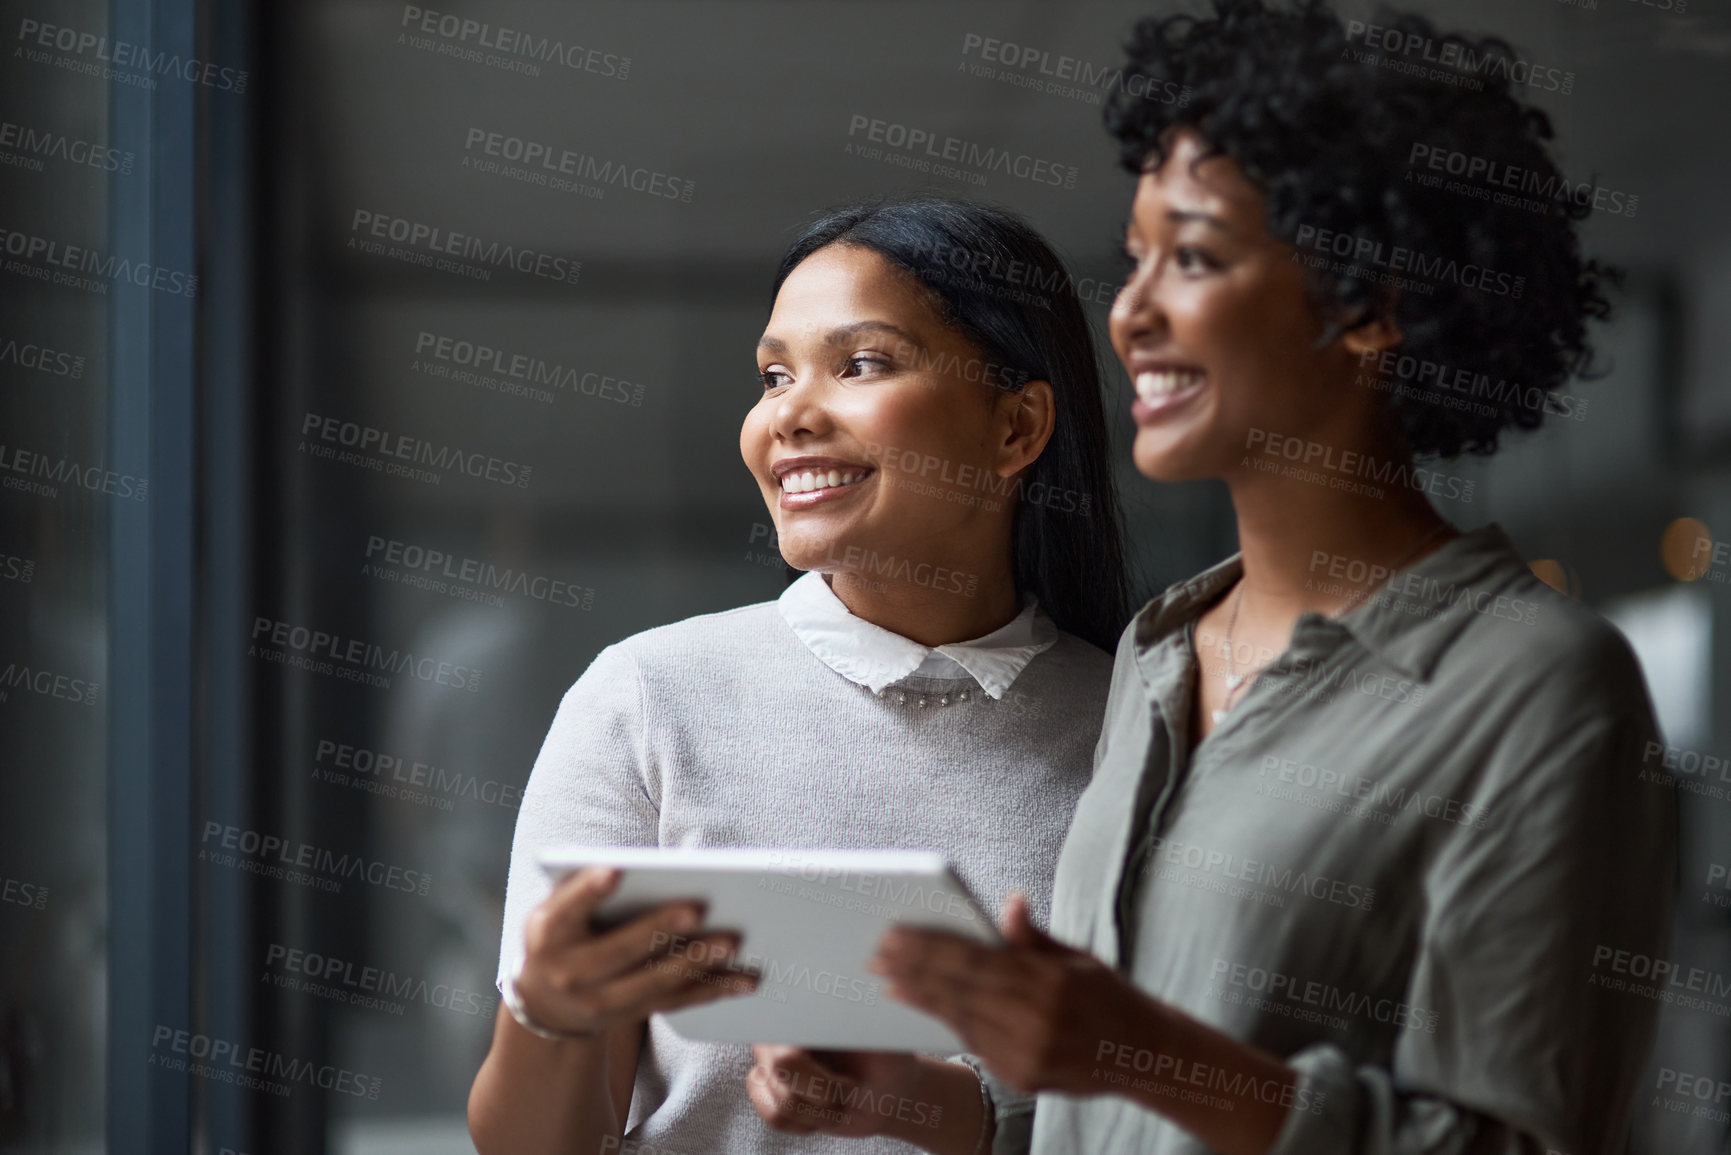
(1193, 260)
(772, 378)
(1130, 260)
(860, 364)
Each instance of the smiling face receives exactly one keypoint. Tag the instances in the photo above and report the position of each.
(878, 438)
(1216, 331)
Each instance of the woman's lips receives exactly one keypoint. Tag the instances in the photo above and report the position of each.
(1159, 391)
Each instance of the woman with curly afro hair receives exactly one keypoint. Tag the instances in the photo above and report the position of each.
(1369, 856)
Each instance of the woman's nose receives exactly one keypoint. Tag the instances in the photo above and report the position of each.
(1136, 311)
(800, 411)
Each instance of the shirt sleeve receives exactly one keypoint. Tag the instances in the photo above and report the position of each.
(593, 784)
(1531, 1052)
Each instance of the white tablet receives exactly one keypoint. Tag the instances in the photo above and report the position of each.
(808, 921)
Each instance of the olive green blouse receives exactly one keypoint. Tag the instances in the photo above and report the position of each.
(1405, 861)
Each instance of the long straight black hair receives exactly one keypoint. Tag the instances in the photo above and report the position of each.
(996, 281)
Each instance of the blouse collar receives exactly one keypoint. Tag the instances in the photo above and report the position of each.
(1409, 620)
(874, 657)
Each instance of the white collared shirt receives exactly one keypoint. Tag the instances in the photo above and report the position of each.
(723, 730)
(874, 657)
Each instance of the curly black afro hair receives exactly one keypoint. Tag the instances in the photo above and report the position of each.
(1342, 128)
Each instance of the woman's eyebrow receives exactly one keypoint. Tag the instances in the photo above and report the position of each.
(846, 333)
(843, 336)
(1181, 216)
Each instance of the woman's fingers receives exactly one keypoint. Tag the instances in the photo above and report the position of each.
(774, 1087)
(697, 974)
(709, 988)
(972, 1012)
(564, 915)
(560, 935)
(907, 951)
(767, 1055)
(991, 996)
(1005, 1024)
(664, 930)
(793, 1068)
(865, 1066)
(911, 957)
(802, 1093)
(660, 985)
(1027, 1008)
(916, 960)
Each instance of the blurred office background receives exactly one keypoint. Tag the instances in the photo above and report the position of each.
(181, 521)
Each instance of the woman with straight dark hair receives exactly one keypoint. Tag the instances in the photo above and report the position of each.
(929, 439)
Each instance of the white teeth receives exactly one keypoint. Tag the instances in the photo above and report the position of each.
(1153, 384)
(819, 479)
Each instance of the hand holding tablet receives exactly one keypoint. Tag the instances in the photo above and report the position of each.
(806, 921)
(576, 979)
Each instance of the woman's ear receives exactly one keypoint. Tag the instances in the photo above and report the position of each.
(1029, 417)
(1372, 337)
(1376, 333)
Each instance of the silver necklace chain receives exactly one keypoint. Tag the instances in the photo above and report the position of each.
(1236, 681)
